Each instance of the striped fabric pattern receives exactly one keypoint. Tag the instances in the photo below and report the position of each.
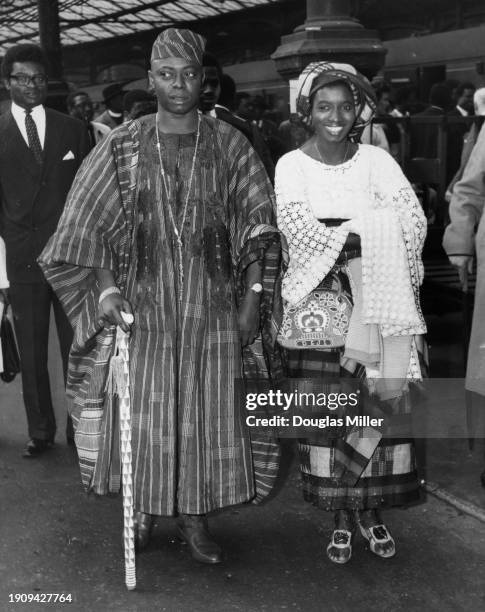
(177, 42)
(191, 452)
(341, 469)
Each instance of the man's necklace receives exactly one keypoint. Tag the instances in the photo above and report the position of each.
(344, 159)
(178, 232)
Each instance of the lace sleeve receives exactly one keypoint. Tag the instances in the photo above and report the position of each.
(313, 247)
(392, 189)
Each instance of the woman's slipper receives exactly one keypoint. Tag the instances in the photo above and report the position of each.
(340, 542)
(378, 536)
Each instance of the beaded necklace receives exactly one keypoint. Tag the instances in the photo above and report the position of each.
(176, 230)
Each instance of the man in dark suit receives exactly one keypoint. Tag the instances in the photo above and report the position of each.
(40, 153)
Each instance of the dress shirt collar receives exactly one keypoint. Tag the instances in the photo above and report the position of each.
(38, 115)
(38, 112)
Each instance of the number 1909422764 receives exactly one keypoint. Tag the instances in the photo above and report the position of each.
(40, 598)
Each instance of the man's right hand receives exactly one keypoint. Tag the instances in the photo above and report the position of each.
(464, 265)
(110, 311)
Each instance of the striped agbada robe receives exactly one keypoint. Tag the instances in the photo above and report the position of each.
(191, 451)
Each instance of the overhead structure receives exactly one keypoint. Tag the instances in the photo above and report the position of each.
(331, 32)
(82, 21)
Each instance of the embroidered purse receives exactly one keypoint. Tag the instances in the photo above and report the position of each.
(319, 321)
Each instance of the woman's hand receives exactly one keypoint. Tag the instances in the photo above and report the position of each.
(249, 318)
(109, 311)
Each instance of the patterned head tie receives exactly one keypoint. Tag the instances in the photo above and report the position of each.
(175, 42)
(319, 74)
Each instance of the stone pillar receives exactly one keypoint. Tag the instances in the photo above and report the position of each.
(50, 39)
(330, 32)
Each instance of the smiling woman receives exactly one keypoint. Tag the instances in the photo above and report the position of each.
(333, 115)
(334, 195)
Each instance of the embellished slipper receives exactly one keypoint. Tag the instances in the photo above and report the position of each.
(378, 536)
(340, 542)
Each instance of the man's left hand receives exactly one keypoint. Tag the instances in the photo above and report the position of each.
(249, 318)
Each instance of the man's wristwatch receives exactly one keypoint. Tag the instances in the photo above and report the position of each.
(257, 288)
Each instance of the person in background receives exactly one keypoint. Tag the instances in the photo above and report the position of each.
(137, 103)
(113, 100)
(211, 84)
(244, 106)
(463, 241)
(424, 138)
(41, 152)
(456, 131)
(267, 129)
(469, 138)
(294, 132)
(80, 106)
(217, 99)
(172, 220)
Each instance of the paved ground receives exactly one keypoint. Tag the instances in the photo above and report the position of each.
(55, 539)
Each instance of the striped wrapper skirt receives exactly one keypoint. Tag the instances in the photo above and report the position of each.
(384, 475)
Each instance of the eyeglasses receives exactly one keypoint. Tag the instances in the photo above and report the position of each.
(26, 79)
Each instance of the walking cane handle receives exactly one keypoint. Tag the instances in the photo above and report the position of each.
(127, 317)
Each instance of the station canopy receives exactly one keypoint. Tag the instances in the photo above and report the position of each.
(83, 21)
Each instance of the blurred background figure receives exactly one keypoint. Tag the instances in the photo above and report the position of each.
(113, 101)
(267, 129)
(424, 138)
(217, 98)
(244, 106)
(137, 103)
(470, 138)
(293, 132)
(211, 84)
(80, 106)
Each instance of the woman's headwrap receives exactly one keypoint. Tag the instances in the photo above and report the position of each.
(318, 74)
(177, 42)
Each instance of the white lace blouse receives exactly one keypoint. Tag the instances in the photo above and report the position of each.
(372, 191)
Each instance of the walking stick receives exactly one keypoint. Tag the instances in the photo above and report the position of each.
(121, 375)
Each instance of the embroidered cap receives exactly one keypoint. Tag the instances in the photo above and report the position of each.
(175, 42)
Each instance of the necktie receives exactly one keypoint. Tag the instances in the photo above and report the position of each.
(33, 137)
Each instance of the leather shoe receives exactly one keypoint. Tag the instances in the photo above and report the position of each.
(193, 530)
(36, 447)
(143, 530)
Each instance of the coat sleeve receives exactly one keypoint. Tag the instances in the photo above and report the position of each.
(467, 203)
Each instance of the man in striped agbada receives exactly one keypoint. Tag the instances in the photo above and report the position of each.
(171, 218)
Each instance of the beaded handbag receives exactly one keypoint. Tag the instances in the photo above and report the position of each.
(319, 321)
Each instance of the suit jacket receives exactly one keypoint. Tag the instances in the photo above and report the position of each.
(32, 196)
